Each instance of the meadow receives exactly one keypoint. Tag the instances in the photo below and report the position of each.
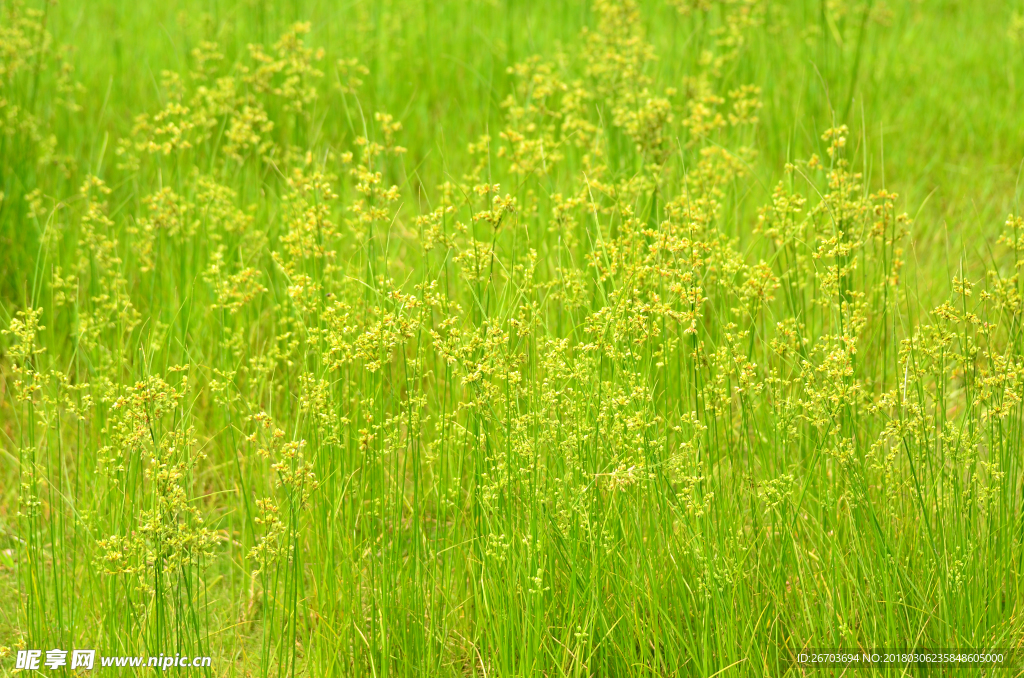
(511, 338)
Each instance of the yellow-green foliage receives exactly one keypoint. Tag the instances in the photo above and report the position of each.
(575, 408)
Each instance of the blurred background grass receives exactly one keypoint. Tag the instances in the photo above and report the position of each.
(934, 87)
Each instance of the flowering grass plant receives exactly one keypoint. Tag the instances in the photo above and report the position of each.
(616, 355)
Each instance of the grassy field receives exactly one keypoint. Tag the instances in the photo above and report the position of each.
(511, 338)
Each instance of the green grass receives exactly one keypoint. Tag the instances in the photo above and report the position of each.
(510, 338)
